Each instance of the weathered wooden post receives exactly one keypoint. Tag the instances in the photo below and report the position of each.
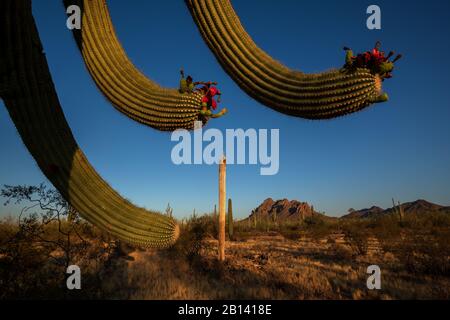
(222, 205)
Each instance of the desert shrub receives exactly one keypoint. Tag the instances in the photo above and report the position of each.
(340, 252)
(47, 237)
(428, 220)
(313, 221)
(290, 234)
(318, 227)
(356, 235)
(422, 254)
(315, 226)
(193, 233)
(34, 267)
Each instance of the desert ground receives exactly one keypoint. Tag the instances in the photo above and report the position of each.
(273, 267)
(261, 266)
(312, 257)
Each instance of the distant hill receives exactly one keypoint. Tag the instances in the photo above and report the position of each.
(415, 207)
(283, 209)
(290, 210)
(365, 213)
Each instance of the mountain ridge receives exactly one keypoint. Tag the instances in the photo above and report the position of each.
(413, 207)
(291, 210)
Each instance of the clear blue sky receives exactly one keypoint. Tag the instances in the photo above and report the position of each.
(398, 149)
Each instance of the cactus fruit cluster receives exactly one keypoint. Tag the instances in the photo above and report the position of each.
(312, 96)
(33, 105)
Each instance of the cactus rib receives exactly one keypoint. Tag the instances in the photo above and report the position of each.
(312, 96)
(28, 92)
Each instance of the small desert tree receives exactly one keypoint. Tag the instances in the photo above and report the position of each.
(43, 209)
(44, 240)
(47, 236)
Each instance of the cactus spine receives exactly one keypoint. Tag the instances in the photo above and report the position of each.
(230, 219)
(312, 96)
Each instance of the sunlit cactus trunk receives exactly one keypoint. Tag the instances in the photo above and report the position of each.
(230, 219)
(222, 204)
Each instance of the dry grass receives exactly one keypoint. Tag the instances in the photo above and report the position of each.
(272, 267)
(318, 261)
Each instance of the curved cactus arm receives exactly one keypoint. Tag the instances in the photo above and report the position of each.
(312, 96)
(33, 105)
(128, 89)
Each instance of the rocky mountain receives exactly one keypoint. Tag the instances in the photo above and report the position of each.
(295, 210)
(283, 210)
(415, 207)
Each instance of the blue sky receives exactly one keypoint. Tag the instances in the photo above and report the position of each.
(398, 149)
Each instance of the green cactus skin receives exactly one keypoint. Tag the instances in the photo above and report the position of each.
(230, 219)
(128, 89)
(312, 96)
(33, 105)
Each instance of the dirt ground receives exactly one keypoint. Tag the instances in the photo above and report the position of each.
(273, 267)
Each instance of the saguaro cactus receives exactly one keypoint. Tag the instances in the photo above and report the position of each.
(127, 88)
(169, 210)
(27, 89)
(398, 210)
(312, 96)
(222, 204)
(28, 92)
(230, 219)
